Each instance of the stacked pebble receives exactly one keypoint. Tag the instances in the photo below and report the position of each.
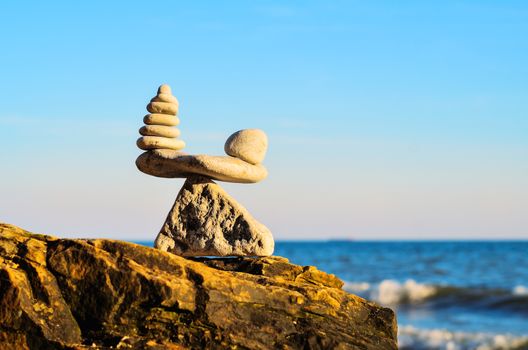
(159, 131)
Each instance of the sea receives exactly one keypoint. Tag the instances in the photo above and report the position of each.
(447, 295)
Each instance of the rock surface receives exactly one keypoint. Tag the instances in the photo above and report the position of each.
(250, 145)
(206, 221)
(104, 294)
(172, 164)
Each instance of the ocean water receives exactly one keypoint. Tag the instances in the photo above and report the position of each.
(447, 295)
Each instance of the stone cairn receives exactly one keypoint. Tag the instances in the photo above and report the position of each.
(159, 131)
(204, 220)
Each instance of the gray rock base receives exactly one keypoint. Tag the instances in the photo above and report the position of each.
(206, 221)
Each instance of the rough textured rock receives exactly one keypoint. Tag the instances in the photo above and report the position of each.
(103, 294)
(206, 221)
(249, 145)
(172, 164)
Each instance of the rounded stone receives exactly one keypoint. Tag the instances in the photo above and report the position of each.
(164, 89)
(164, 98)
(156, 142)
(163, 108)
(159, 130)
(161, 119)
(249, 145)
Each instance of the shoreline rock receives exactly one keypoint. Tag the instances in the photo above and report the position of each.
(106, 294)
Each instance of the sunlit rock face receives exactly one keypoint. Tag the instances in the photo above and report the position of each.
(104, 294)
(206, 221)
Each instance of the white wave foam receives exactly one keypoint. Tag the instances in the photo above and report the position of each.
(520, 290)
(410, 337)
(356, 287)
(391, 292)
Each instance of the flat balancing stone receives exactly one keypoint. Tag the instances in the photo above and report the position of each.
(174, 164)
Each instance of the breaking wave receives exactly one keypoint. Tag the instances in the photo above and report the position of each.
(520, 290)
(413, 338)
(393, 294)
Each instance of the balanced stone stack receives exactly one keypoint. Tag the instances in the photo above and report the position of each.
(204, 220)
(159, 131)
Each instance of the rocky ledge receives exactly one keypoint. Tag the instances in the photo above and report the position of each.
(106, 294)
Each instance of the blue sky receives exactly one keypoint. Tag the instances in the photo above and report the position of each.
(386, 119)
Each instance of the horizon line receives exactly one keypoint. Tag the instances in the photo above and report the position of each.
(376, 240)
